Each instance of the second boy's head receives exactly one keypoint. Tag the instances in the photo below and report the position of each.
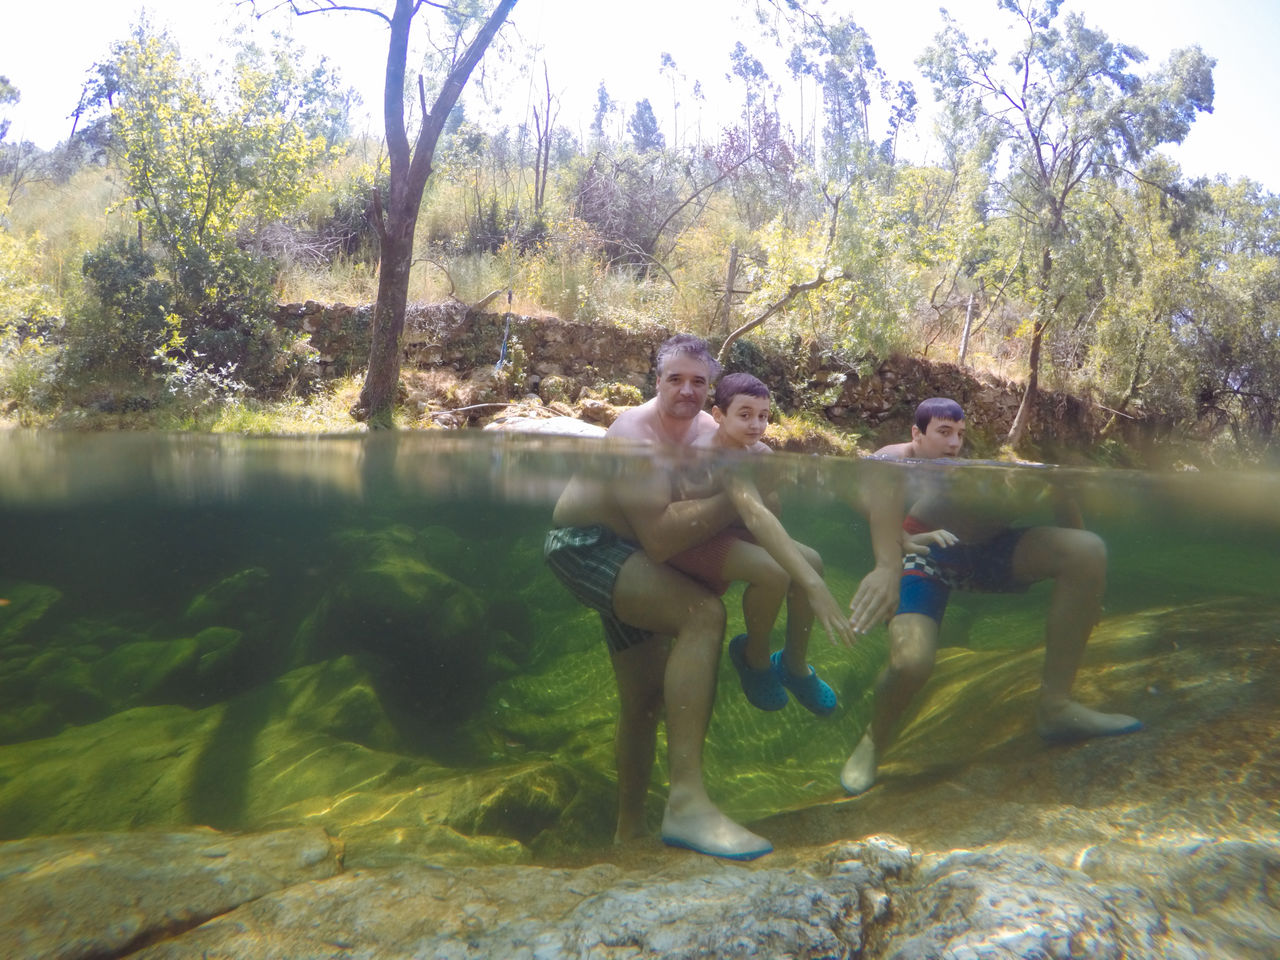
(939, 428)
(741, 409)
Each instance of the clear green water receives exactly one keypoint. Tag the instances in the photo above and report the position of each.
(361, 633)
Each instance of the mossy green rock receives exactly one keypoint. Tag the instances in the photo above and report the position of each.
(230, 600)
(314, 747)
(23, 605)
(426, 634)
(146, 671)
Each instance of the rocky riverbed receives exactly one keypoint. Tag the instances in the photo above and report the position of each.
(977, 842)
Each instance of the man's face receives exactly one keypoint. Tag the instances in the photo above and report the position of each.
(745, 421)
(682, 387)
(942, 438)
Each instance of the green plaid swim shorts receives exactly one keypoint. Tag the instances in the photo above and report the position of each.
(587, 561)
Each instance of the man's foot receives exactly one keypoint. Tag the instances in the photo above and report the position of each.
(762, 688)
(1075, 721)
(814, 694)
(712, 833)
(859, 771)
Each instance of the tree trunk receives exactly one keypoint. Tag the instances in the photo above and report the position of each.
(968, 326)
(1044, 315)
(408, 171)
(731, 278)
(1135, 382)
(1018, 431)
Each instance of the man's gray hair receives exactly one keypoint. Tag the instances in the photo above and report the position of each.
(686, 344)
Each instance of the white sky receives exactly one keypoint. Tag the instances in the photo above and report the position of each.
(46, 51)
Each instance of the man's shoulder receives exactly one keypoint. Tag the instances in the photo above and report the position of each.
(634, 423)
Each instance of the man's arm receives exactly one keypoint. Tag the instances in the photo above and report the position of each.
(665, 526)
(768, 530)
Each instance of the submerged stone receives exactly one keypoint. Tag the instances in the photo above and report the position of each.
(24, 605)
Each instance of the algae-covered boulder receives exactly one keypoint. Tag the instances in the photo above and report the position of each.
(145, 671)
(533, 803)
(234, 600)
(22, 605)
(425, 634)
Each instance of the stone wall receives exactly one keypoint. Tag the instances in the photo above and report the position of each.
(562, 359)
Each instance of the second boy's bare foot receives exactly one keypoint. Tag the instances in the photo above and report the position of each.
(1069, 720)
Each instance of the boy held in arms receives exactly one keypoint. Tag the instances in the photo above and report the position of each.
(991, 556)
(774, 567)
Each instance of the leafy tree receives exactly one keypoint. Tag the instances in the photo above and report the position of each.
(605, 105)
(9, 95)
(1064, 111)
(205, 166)
(643, 127)
(410, 165)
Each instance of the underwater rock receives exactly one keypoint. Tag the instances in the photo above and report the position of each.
(685, 908)
(874, 898)
(545, 806)
(146, 671)
(314, 747)
(98, 895)
(231, 599)
(425, 633)
(1009, 904)
(21, 605)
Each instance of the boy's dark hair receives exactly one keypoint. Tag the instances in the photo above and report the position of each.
(690, 346)
(735, 384)
(937, 408)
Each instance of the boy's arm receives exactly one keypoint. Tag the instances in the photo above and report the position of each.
(883, 500)
(1066, 509)
(768, 530)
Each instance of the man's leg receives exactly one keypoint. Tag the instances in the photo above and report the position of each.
(1076, 561)
(654, 597)
(639, 672)
(913, 644)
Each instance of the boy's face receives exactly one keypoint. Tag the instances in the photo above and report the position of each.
(744, 422)
(941, 438)
(683, 386)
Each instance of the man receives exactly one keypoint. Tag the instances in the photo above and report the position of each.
(609, 547)
(994, 557)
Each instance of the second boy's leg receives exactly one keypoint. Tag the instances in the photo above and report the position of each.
(1076, 561)
(913, 646)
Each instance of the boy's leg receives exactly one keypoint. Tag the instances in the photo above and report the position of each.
(654, 597)
(913, 645)
(1076, 561)
(767, 585)
(800, 619)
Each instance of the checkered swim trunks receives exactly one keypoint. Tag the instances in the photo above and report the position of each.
(587, 561)
(987, 567)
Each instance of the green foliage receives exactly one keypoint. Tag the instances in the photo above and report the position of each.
(643, 127)
(204, 168)
(22, 298)
(128, 319)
